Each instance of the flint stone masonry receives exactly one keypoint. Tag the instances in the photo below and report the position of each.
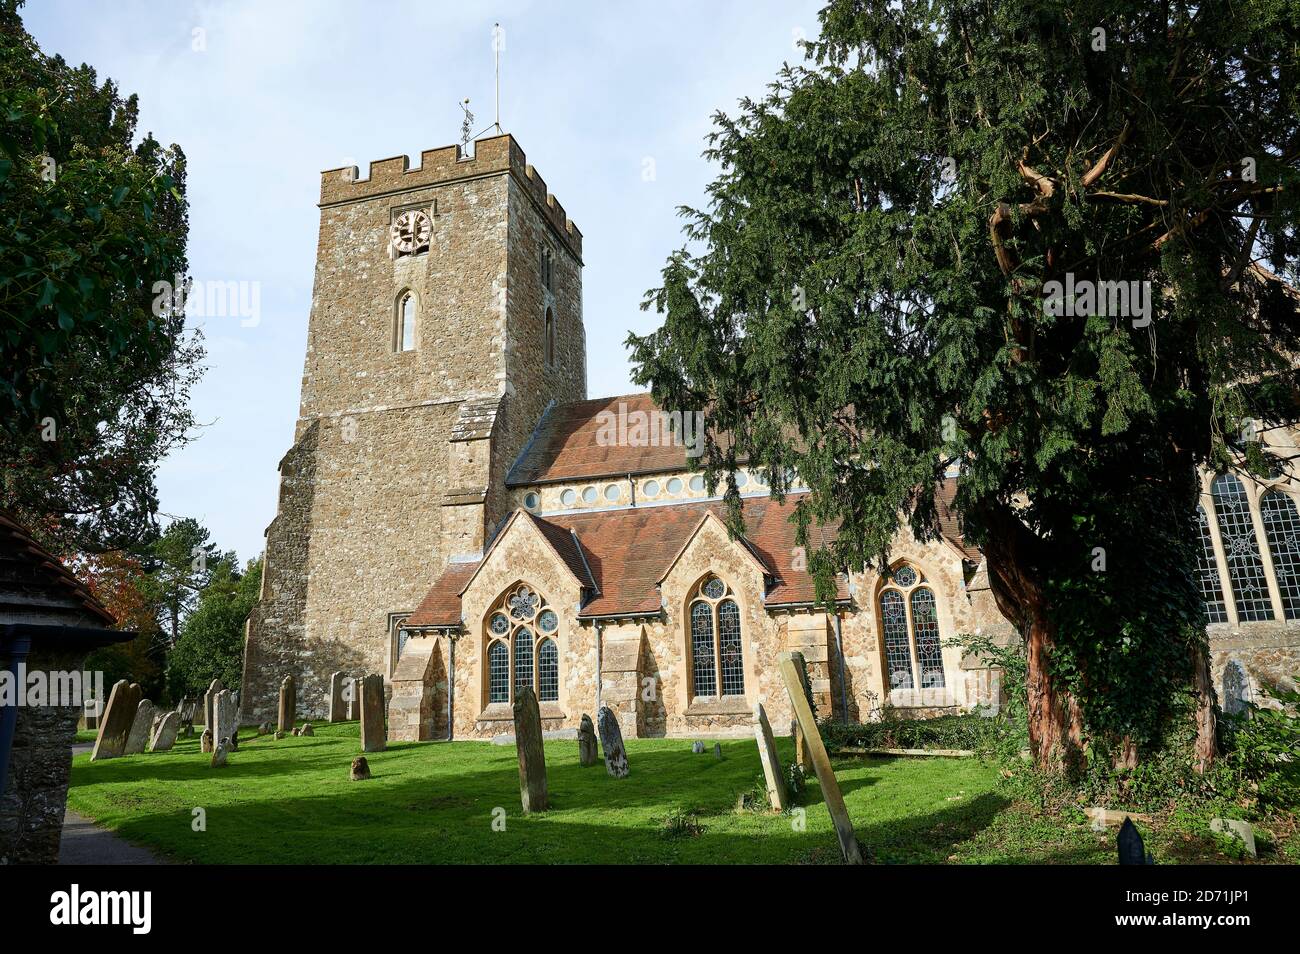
(164, 736)
(116, 723)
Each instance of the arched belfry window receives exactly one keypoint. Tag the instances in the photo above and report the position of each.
(1241, 549)
(404, 339)
(909, 621)
(717, 650)
(521, 647)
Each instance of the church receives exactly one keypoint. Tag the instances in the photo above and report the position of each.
(458, 516)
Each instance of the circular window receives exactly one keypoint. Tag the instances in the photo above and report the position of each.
(612, 493)
(905, 576)
(568, 497)
(547, 622)
(742, 478)
(500, 624)
(589, 495)
(530, 501)
(697, 483)
(675, 486)
(650, 488)
(760, 478)
(715, 589)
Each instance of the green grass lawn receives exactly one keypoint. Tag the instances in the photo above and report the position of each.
(291, 802)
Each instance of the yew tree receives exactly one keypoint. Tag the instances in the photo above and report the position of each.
(907, 262)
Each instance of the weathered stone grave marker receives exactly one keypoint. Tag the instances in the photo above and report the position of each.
(795, 677)
(532, 757)
(767, 754)
(288, 703)
(697, 747)
(213, 688)
(119, 716)
(373, 733)
(141, 726)
(165, 735)
(338, 708)
(205, 741)
(225, 728)
(587, 754)
(360, 769)
(611, 742)
(353, 699)
(219, 755)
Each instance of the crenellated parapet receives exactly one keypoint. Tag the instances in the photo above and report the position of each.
(491, 156)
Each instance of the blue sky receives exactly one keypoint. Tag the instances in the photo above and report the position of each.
(283, 90)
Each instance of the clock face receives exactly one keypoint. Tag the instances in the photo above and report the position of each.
(410, 230)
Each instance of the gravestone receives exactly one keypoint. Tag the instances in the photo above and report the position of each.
(373, 732)
(611, 742)
(801, 755)
(278, 735)
(353, 699)
(717, 751)
(225, 728)
(205, 741)
(185, 712)
(697, 747)
(165, 737)
(264, 729)
(587, 754)
(772, 776)
(338, 711)
(219, 755)
(115, 725)
(213, 688)
(138, 737)
(528, 745)
(288, 703)
(1235, 828)
(795, 677)
(307, 730)
(360, 769)
(1236, 688)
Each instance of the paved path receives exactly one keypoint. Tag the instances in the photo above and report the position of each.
(85, 843)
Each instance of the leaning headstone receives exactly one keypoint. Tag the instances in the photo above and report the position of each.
(205, 741)
(307, 730)
(353, 696)
(697, 747)
(1240, 830)
(373, 733)
(288, 703)
(1129, 846)
(165, 735)
(360, 769)
(587, 754)
(219, 755)
(138, 737)
(532, 757)
(802, 757)
(795, 677)
(338, 710)
(213, 688)
(772, 776)
(115, 725)
(225, 723)
(611, 742)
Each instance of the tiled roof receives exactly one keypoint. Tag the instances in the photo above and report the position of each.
(950, 522)
(441, 606)
(33, 580)
(566, 446)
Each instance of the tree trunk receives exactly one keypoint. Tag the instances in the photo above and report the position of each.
(1055, 720)
(1205, 721)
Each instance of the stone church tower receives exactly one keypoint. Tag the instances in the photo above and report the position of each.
(446, 317)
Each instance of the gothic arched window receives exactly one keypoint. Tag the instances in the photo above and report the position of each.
(406, 317)
(1241, 550)
(909, 621)
(1282, 530)
(717, 650)
(1208, 572)
(520, 631)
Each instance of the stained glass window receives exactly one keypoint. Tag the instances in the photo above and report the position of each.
(729, 649)
(925, 627)
(523, 658)
(1241, 549)
(1282, 530)
(715, 588)
(498, 673)
(705, 676)
(1207, 571)
(898, 655)
(548, 672)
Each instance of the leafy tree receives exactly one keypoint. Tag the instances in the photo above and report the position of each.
(181, 562)
(119, 582)
(211, 644)
(94, 381)
(868, 298)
